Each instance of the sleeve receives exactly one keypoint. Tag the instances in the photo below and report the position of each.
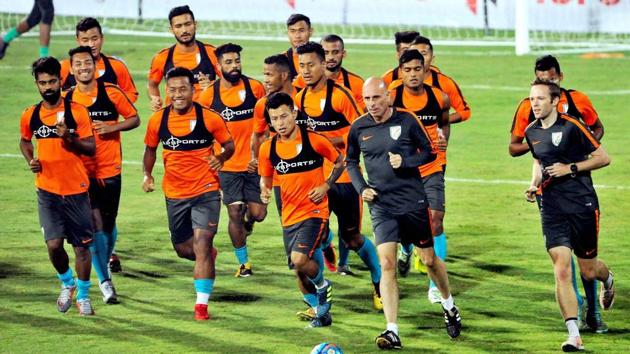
(387, 77)
(156, 72)
(324, 147)
(25, 124)
(584, 139)
(344, 103)
(297, 100)
(531, 147)
(299, 82)
(65, 70)
(264, 164)
(426, 152)
(260, 124)
(259, 89)
(521, 118)
(82, 117)
(152, 137)
(584, 105)
(123, 104)
(353, 156)
(125, 80)
(211, 51)
(205, 97)
(216, 126)
(458, 103)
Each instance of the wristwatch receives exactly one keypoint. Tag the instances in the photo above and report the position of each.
(574, 169)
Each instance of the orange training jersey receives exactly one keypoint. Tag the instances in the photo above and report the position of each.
(105, 106)
(573, 103)
(109, 69)
(428, 109)
(347, 79)
(436, 79)
(297, 164)
(204, 61)
(261, 123)
(236, 107)
(187, 142)
(62, 172)
(330, 112)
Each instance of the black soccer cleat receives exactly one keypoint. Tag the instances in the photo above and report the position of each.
(453, 322)
(3, 48)
(388, 340)
(324, 320)
(114, 264)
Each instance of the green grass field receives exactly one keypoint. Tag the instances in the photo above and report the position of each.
(500, 273)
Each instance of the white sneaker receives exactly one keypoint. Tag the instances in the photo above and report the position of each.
(64, 301)
(85, 307)
(109, 292)
(573, 344)
(434, 296)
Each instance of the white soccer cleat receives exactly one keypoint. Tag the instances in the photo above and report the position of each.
(64, 301)
(434, 296)
(109, 292)
(573, 344)
(85, 307)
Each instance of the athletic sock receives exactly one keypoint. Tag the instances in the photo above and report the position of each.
(406, 249)
(241, 254)
(43, 51)
(11, 35)
(311, 300)
(590, 290)
(448, 303)
(367, 252)
(100, 260)
(439, 247)
(318, 280)
(609, 281)
(83, 287)
(344, 253)
(572, 327)
(580, 300)
(112, 237)
(203, 287)
(392, 327)
(67, 278)
(318, 257)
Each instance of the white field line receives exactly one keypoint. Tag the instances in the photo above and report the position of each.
(448, 179)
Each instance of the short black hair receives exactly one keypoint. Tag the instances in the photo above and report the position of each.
(422, 40)
(178, 11)
(46, 65)
(547, 62)
(280, 61)
(554, 89)
(332, 38)
(88, 23)
(277, 99)
(312, 47)
(405, 37)
(410, 55)
(295, 18)
(80, 49)
(227, 48)
(179, 71)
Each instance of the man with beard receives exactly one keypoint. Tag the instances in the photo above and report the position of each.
(403, 40)
(187, 52)
(63, 134)
(299, 31)
(105, 103)
(331, 109)
(187, 132)
(108, 69)
(234, 96)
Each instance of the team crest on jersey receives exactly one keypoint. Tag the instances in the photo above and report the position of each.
(556, 138)
(60, 117)
(101, 72)
(322, 104)
(192, 123)
(298, 148)
(394, 132)
(198, 58)
(242, 95)
(565, 107)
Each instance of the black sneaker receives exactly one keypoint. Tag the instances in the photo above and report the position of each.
(3, 48)
(595, 324)
(114, 264)
(404, 263)
(324, 320)
(388, 340)
(453, 322)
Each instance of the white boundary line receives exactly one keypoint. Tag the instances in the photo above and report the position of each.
(448, 179)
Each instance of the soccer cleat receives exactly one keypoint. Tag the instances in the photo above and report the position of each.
(388, 340)
(594, 324)
(434, 296)
(3, 48)
(324, 299)
(201, 312)
(306, 315)
(248, 225)
(344, 270)
(323, 321)
(114, 264)
(377, 301)
(330, 257)
(607, 296)
(453, 322)
(64, 301)
(419, 266)
(404, 263)
(573, 344)
(244, 271)
(85, 307)
(109, 292)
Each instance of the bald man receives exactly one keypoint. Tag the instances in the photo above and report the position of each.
(394, 145)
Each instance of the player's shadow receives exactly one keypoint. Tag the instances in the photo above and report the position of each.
(10, 270)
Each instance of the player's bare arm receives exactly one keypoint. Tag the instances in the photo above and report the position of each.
(26, 146)
(216, 161)
(148, 161)
(84, 146)
(599, 158)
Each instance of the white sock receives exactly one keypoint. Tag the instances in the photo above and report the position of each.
(572, 326)
(392, 327)
(448, 304)
(608, 283)
(202, 298)
(324, 284)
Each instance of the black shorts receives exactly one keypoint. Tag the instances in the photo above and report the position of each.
(304, 237)
(344, 201)
(240, 187)
(577, 231)
(411, 227)
(66, 217)
(43, 11)
(185, 215)
(434, 188)
(105, 195)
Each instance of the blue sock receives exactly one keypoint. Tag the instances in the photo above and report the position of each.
(367, 252)
(204, 286)
(311, 299)
(100, 259)
(328, 240)
(83, 289)
(406, 249)
(318, 257)
(439, 247)
(344, 253)
(112, 237)
(318, 280)
(241, 254)
(43, 51)
(67, 278)
(11, 35)
(580, 300)
(590, 290)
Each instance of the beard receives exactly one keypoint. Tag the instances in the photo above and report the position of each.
(334, 68)
(232, 76)
(191, 40)
(51, 96)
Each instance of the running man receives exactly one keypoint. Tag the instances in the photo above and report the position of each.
(43, 13)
